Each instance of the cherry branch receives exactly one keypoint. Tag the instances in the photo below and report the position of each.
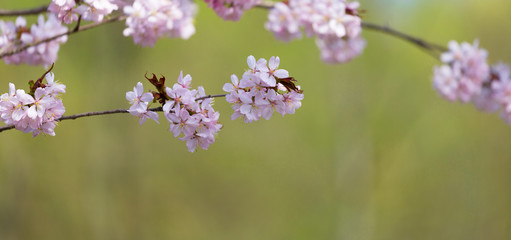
(414, 40)
(211, 96)
(70, 32)
(30, 11)
(109, 112)
(384, 29)
(432, 47)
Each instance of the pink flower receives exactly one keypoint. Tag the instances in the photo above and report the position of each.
(140, 104)
(196, 120)
(261, 91)
(64, 10)
(42, 54)
(465, 72)
(469, 58)
(292, 101)
(181, 121)
(137, 98)
(96, 10)
(149, 20)
(36, 114)
(336, 24)
(445, 81)
(54, 88)
(184, 82)
(231, 87)
(91, 10)
(231, 9)
(339, 50)
(143, 115)
(283, 22)
(269, 72)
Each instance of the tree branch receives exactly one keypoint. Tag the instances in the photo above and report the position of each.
(87, 114)
(211, 96)
(73, 31)
(108, 112)
(432, 47)
(31, 11)
(414, 40)
(384, 29)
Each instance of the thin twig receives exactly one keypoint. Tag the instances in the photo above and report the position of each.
(108, 112)
(211, 96)
(90, 114)
(73, 31)
(6, 128)
(31, 11)
(77, 27)
(76, 116)
(417, 41)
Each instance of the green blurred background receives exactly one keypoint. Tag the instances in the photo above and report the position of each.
(374, 152)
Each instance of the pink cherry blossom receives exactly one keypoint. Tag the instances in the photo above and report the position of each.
(140, 104)
(137, 98)
(340, 50)
(91, 10)
(149, 20)
(336, 25)
(54, 88)
(268, 72)
(231, 9)
(196, 120)
(501, 87)
(37, 113)
(464, 72)
(189, 112)
(18, 35)
(261, 91)
(96, 10)
(284, 23)
(64, 10)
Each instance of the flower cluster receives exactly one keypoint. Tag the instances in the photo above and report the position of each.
(231, 9)
(37, 111)
(17, 35)
(149, 20)
(189, 111)
(90, 10)
(467, 77)
(336, 24)
(262, 90)
(463, 73)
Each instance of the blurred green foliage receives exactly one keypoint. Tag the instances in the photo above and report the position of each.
(374, 152)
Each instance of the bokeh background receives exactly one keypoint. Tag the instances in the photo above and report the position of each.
(374, 152)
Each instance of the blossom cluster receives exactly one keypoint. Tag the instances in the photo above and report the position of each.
(467, 77)
(262, 90)
(231, 9)
(14, 35)
(189, 111)
(37, 111)
(149, 20)
(336, 24)
(91, 10)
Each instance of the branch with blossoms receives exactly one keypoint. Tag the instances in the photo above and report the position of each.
(69, 11)
(261, 91)
(336, 25)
